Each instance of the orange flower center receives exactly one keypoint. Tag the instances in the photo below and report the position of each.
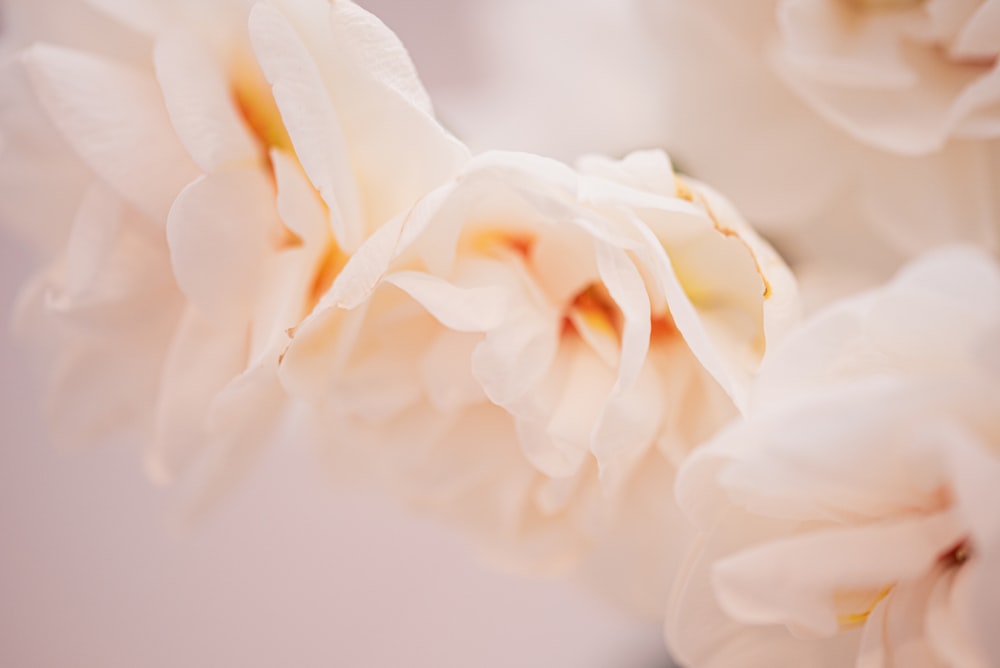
(255, 102)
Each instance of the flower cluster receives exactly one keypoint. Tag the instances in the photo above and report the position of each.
(253, 226)
(215, 166)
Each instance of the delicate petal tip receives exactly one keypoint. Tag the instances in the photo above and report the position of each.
(379, 52)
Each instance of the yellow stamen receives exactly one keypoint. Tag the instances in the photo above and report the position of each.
(682, 189)
(853, 620)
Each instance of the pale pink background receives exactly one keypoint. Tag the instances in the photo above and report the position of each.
(290, 572)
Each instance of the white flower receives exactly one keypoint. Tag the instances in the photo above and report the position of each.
(913, 154)
(902, 75)
(533, 350)
(234, 163)
(856, 505)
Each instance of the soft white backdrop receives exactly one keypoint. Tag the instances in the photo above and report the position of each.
(289, 572)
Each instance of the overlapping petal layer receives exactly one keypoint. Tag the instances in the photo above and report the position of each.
(533, 349)
(234, 154)
(855, 494)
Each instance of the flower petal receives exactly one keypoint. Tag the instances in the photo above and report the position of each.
(915, 120)
(701, 634)
(35, 162)
(629, 421)
(556, 438)
(627, 428)
(516, 354)
(111, 259)
(377, 51)
(299, 205)
(895, 634)
(199, 100)
(218, 231)
(114, 118)
(793, 580)
(396, 148)
(947, 622)
(242, 418)
(473, 309)
(978, 37)
(447, 373)
(313, 122)
(204, 357)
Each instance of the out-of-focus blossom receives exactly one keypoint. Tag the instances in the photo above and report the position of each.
(34, 162)
(904, 76)
(533, 350)
(840, 117)
(224, 167)
(853, 513)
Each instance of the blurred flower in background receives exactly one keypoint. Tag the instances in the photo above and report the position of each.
(855, 504)
(904, 77)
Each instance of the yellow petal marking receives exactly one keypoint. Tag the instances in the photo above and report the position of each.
(490, 241)
(256, 104)
(853, 620)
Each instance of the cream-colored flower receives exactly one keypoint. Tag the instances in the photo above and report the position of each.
(901, 75)
(913, 153)
(850, 519)
(234, 165)
(533, 350)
